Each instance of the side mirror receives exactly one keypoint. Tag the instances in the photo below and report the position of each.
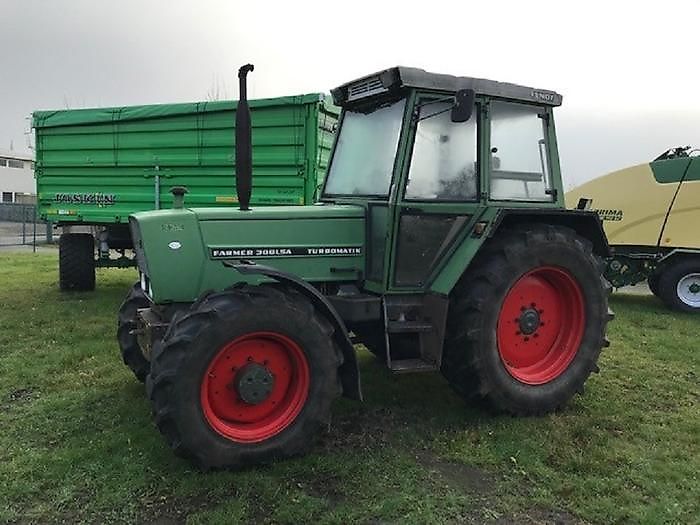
(463, 106)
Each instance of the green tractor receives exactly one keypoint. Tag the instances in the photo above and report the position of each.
(441, 242)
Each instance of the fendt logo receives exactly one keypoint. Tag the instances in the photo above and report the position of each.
(543, 96)
(610, 215)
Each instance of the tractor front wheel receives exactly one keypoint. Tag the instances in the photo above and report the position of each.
(128, 342)
(527, 321)
(247, 376)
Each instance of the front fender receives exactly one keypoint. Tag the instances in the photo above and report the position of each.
(349, 370)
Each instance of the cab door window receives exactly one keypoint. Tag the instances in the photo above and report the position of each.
(444, 161)
(519, 156)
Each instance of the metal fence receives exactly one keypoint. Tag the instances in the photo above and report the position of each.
(20, 225)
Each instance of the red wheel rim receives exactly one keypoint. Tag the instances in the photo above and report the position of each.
(222, 403)
(541, 325)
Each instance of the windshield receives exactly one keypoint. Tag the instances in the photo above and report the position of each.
(364, 153)
(443, 166)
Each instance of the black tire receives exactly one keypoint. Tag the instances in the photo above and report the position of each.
(128, 342)
(182, 361)
(472, 362)
(671, 276)
(653, 282)
(76, 262)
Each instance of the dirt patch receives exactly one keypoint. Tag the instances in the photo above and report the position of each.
(541, 517)
(164, 510)
(361, 429)
(459, 475)
(167, 521)
(21, 395)
(327, 487)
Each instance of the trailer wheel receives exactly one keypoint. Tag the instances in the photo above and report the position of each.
(76, 262)
(247, 376)
(679, 285)
(527, 321)
(128, 342)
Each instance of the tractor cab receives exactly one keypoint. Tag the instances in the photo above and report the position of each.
(430, 156)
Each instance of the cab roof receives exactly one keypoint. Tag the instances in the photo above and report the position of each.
(395, 78)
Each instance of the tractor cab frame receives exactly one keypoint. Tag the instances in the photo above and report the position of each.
(427, 181)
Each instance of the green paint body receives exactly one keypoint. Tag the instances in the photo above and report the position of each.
(180, 275)
(109, 157)
(673, 170)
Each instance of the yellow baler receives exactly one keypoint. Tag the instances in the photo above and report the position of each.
(651, 215)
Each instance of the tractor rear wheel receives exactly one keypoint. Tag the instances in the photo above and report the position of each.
(679, 285)
(76, 262)
(247, 376)
(128, 342)
(527, 321)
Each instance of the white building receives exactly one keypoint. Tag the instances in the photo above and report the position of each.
(16, 177)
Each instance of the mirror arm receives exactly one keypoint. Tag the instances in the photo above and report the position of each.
(449, 98)
(417, 119)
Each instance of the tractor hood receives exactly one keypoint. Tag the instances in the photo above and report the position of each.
(180, 251)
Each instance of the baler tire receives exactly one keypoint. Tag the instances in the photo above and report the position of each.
(76, 262)
(670, 281)
(128, 342)
(653, 283)
(478, 359)
(192, 361)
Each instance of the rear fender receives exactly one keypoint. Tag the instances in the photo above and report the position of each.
(585, 223)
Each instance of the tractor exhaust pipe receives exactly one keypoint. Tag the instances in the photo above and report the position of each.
(244, 147)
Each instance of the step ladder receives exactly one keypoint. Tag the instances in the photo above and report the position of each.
(416, 321)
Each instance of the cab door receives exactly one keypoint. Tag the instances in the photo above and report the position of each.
(439, 193)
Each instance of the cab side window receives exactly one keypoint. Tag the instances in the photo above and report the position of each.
(519, 157)
(444, 161)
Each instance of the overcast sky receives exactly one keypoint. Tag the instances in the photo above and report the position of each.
(627, 69)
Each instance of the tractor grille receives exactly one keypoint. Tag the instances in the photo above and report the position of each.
(365, 88)
(138, 246)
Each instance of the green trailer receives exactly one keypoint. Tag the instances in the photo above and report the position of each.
(95, 167)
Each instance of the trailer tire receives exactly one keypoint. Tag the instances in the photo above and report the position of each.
(527, 321)
(76, 262)
(679, 285)
(128, 342)
(199, 372)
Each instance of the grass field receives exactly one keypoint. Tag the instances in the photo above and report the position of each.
(77, 443)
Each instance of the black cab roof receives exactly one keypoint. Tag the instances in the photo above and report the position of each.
(395, 78)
